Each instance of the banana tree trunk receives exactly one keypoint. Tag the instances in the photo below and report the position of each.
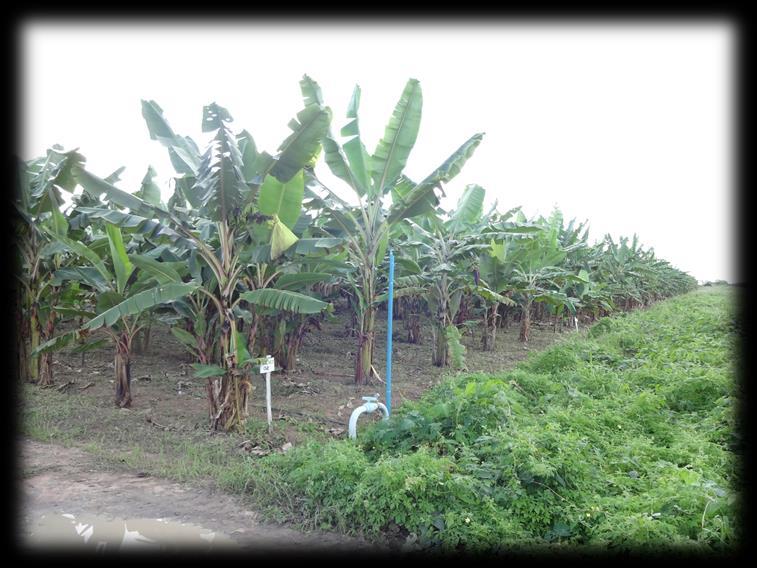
(525, 322)
(81, 341)
(489, 336)
(228, 394)
(365, 347)
(122, 367)
(504, 312)
(252, 333)
(45, 370)
(463, 311)
(294, 341)
(34, 340)
(47, 332)
(412, 324)
(439, 355)
(22, 359)
(142, 341)
(350, 328)
(400, 307)
(22, 336)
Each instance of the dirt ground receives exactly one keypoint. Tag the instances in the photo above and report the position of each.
(321, 388)
(60, 481)
(316, 398)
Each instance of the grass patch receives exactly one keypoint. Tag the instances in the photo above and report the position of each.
(621, 440)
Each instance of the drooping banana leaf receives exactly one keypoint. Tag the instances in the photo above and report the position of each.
(57, 172)
(401, 188)
(491, 296)
(182, 150)
(300, 280)
(144, 226)
(286, 300)
(408, 265)
(86, 253)
(254, 164)
(243, 355)
(164, 272)
(305, 246)
(422, 198)
(207, 371)
(85, 274)
(58, 342)
(74, 312)
(141, 302)
(401, 293)
(96, 186)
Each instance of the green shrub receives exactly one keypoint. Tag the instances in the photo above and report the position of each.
(622, 440)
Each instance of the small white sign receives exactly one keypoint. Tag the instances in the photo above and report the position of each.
(268, 366)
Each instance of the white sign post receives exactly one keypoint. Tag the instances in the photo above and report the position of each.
(266, 368)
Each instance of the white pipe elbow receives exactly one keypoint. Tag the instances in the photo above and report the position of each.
(369, 406)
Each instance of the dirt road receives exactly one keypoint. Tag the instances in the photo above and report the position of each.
(67, 499)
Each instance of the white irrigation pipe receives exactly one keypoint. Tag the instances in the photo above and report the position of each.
(370, 405)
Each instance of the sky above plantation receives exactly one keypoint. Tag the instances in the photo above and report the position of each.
(626, 125)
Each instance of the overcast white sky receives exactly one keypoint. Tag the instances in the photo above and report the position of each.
(628, 126)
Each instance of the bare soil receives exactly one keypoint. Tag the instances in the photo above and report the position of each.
(66, 481)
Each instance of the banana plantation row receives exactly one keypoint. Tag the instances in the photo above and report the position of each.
(252, 249)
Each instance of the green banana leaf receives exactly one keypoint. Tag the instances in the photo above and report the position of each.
(400, 134)
(285, 300)
(301, 148)
(282, 199)
(164, 272)
(281, 238)
(300, 280)
(141, 302)
(421, 198)
(469, 207)
(121, 262)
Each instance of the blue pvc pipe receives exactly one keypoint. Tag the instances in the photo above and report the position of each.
(390, 310)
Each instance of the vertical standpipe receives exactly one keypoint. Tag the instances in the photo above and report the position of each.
(390, 313)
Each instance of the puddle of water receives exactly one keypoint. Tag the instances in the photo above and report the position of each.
(100, 534)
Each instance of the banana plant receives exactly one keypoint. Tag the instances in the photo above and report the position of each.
(619, 267)
(496, 265)
(375, 179)
(537, 271)
(38, 219)
(225, 187)
(304, 266)
(194, 319)
(495, 272)
(127, 286)
(447, 254)
(635, 277)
